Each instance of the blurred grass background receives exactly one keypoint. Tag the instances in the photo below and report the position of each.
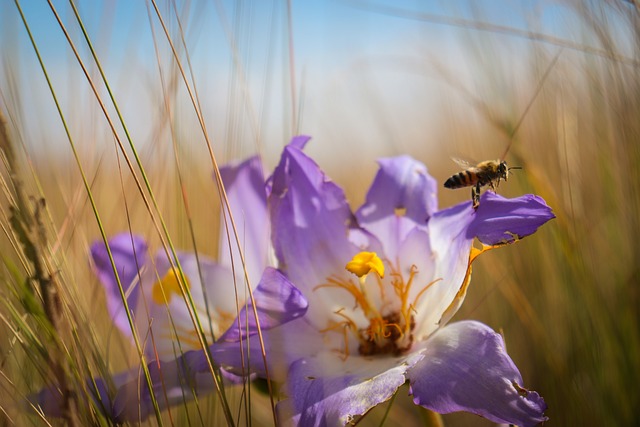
(456, 83)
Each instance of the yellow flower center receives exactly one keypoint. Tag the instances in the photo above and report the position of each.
(390, 317)
(164, 288)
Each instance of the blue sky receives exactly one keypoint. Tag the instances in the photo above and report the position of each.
(364, 71)
(324, 31)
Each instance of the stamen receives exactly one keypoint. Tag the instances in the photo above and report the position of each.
(346, 324)
(415, 301)
(346, 343)
(358, 295)
(381, 287)
(390, 316)
(379, 328)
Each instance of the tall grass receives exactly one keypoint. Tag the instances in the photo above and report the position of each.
(566, 299)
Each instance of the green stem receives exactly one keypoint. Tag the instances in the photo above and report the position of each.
(430, 418)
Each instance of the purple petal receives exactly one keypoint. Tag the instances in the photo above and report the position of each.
(496, 221)
(310, 218)
(499, 220)
(133, 400)
(50, 399)
(323, 394)
(402, 196)
(239, 358)
(130, 255)
(299, 141)
(245, 187)
(132, 403)
(466, 368)
(173, 382)
(283, 345)
(277, 302)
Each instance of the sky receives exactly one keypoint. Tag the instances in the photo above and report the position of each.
(363, 73)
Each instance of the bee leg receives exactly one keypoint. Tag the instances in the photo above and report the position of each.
(475, 196)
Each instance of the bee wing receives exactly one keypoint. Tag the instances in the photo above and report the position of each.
(462, 163)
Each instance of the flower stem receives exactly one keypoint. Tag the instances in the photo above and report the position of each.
(386, 413)
(430, 418)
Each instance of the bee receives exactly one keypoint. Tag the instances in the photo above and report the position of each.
(489, 173)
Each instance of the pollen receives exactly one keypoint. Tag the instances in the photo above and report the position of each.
(164, 288)
(365, 262)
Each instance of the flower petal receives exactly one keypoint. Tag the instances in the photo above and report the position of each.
(323, 394)
(450, 249)
(173, 384)
(310, 218)
(245, 187)
(402, 196)
(51, 401)
(499, 220)
(130, 256)
(277, 302)
(466, 368)
(283, 345)
(432, 288)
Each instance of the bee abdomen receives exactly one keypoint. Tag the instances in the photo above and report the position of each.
(461, 179)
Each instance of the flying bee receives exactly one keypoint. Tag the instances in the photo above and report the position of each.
(489, 173)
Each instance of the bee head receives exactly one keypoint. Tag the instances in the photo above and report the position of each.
(503, 170)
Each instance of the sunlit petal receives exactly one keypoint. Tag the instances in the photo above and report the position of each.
(277, 302)
(245, 188)
(326, 391)
(466, 368)
(310, 219)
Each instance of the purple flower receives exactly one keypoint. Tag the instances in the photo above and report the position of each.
(175, 381)
(161, 315)
(382, 320)
(373, 293)
(153, 292)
